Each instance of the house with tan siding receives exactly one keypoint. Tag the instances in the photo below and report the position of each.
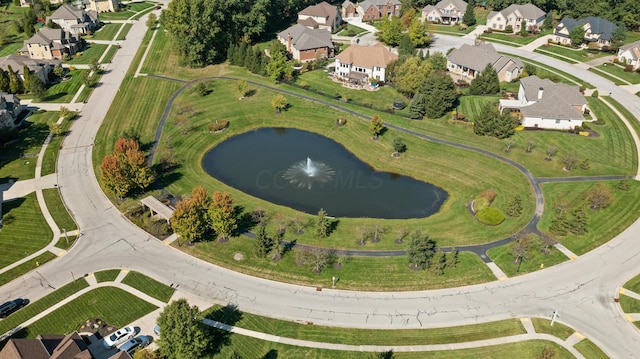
(630, 55)
(445, 12)
(51, 44)
(359, 63)
(513, 16)
(75, 21)
(470, 60)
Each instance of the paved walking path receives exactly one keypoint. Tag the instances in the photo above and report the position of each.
(536, 43)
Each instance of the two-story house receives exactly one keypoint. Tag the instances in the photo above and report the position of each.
(596, 30)
(630, 55)
(546, 104)
(470, 60)
(75, 21)
(513, 16)
(10, 108)
(375, 9)
(51, 44)
(103, 5)
(321, 16)
(305, 44)
(359, 63)
(39, 67)
(445, 12)
(348, 9)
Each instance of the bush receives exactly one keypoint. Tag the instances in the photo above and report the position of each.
(490, 216)
(508, 28)
(341, 121)
(489, 194)
(479, 204)
(462, 27)
(72, 68)
(219, 125)
(595, 94)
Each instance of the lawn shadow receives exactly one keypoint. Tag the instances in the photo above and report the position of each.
(271, 354)
(56, 96)
(229, 315)
(7, 206)
(333, 225)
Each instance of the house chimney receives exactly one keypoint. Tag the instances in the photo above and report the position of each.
(288, 42)
(540, 92)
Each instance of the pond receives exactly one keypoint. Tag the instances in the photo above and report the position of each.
(307, 172)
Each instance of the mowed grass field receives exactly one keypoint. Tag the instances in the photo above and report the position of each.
(63, 91)
(113, 305)
(106, 32)
(149, 286)
(108, 275)
(89, 54)
(24, 230)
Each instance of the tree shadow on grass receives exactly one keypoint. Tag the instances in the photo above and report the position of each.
(229, 315)
(271, 354)
(8, 206)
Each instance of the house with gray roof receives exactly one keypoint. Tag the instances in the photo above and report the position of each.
(320, 16)
(445, 12)
(470, 60)
(51, 44)
(39, 67)
(630, 55)
(513, 16)
(358, 63)
(543, 103)
(597, 30)
(305, 44)
(10, 108)
(75, 21)
(348, 9)
(375, 9)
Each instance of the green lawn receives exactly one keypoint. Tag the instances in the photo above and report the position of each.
(255, 348)
(352, 336)
(514, 39)
(41, 304)
(616, 70)
(61, 216)
(89, 54)
(629, 304)
(535, 260)
(125, 30)
(603, 224)
(120, 15)
(18, 160)
(51, 153)
(579, 55)
(11, 48)
(544, 71)
(25, 267)
(25, 230)
(607, 76)
(113, 305)
(558, 329)
(351, 30)
(14, 40)
(64, 91)
(108, 275)
(634, 284)
(542, 50)
(139, 6)
(111, 52)
(149, 286)
(590, 350)
(107, 32)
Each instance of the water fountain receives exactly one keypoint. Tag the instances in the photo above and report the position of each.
(306, 172)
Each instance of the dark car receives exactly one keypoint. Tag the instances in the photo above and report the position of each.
(11, 306)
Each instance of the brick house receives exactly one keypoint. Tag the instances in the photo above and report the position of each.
(321, 16)
(358, 63)
(348, 9)
(375, 9)
(305, 44)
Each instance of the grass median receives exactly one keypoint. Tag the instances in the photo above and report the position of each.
(558, 329)
(149, 286)
(108, 275)
(590, 350)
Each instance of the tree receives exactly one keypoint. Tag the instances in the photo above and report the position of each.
(265, 242)
(521, 249)
(548, 353)
(439, 262)
(514, 206)
(26, 82)
(59, 71)
(486, 83)
(322, 224)
(146, 354)
(201, 88)
(599, 197)
(418, 32)
(190, 218)
(490, 122)
(279, 102)
(585, 165)
(530, 146)
(569, 161)
(390, 31)
(560, 224)
(421, 250)
(28, 20)
(242, 87)
(399, 146)
(523, 28)
(452, 258)
(548, 21)
(439, 94)
(222, 214)
(416, 108)
(317, 259)
(623, 185)
(409, 75)
(619, 34)
(376, 126)
(37, 88)
(551, 151)
(183, 334)
(4, 81)
(469, 17)
(126, 168)
(151, 20)
(55, 129)
(576, 35)
(15, 84)
(579, 221)
(406, 47)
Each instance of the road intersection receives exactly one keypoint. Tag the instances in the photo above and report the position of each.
(582, 290)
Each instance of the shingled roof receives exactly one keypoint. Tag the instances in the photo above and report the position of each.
(322, 9)
(476, 57)
(559, 100)
(367, 56)
(303, 38)
(598, 25)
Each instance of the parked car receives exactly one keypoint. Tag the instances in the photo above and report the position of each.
(156, 330)
(121, 335)
(11, 306)
(134, 344)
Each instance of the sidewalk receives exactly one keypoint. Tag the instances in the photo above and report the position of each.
(23, 188)
(536, 43)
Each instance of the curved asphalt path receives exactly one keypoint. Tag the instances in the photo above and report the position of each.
(582, 290)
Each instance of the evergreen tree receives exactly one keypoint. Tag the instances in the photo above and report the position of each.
(560, 224)
(623, 185)
(322, 224)
(421, 250)
(15, 84)
(265, 242)
(452, 258)
(523, 28)
(416, 108)
(439, 262)
(37, 87)
(505, 126)
(4, 81)
(406, 46)
(439, 94)
(548, 21)
(483, 120)
(469, 17)
(514, 207)
(26, 73)
(579, 220)
(486, 83)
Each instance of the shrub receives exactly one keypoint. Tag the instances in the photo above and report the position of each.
(462, 27)
(595, 94)
(489, 194)
(219, 125)
(490, 216)
(479, 204)
(508, 28)
(72, 68)
(341, 121)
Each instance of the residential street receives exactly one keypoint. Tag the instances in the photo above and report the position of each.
(582, 290)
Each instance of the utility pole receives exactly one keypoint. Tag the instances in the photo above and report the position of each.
(554, 316)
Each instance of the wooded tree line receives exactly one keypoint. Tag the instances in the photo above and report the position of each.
(201, 31)
(617, 11)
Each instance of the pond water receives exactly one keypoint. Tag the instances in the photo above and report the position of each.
(307, 171)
